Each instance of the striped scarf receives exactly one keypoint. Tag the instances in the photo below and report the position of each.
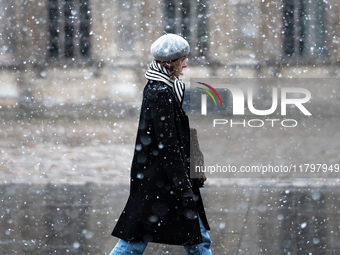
(158, 73)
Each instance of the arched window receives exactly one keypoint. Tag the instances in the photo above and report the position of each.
(189, 19)
(69, 29)
(304, 29)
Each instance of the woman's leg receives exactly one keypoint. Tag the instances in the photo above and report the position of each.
(202, 248)
(126, 248)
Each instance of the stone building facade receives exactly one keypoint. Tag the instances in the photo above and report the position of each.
(81, 52)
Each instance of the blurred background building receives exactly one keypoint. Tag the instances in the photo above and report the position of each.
(64, 181)
(85, 52)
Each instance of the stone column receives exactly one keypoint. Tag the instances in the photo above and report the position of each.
(103, 27)
(21, 53)
(8, 91)
(6, 40)
(270, 32)
(220, 31)
(333, 29)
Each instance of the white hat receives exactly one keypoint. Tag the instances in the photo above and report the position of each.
(169, 47)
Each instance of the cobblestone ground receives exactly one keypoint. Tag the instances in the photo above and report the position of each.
(100, 150)
(66, 151)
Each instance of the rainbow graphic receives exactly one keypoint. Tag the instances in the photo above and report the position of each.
(208, 92)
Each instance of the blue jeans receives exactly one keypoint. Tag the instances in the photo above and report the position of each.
(125, 248)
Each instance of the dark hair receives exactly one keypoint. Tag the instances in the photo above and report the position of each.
(173, 66)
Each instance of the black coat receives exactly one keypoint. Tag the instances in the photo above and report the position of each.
(159, 172)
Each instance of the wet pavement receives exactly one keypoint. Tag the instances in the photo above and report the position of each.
(64, 183)
(78, 219)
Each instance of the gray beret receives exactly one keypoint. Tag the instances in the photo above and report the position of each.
(169, 47)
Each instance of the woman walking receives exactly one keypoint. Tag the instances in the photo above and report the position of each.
(164, 205)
